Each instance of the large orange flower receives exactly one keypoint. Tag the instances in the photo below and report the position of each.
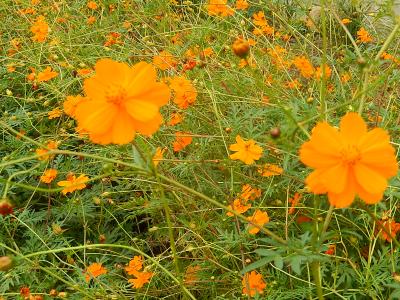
(122, 100)
(350, 161)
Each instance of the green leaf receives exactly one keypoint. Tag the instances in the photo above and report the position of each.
(278, 262)
(257, 264)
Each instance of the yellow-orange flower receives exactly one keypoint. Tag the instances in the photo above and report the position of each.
(141, 279)
(46, 75)
(350, 161)
(158, 156)
(246, 151)
(239, 206)
(55, 113)
(304, 66)
(94, 270)
(363, 36)
(185, 93)
(40, 29)
(175, 119)
(121, 100)
(164, 61)
(73, 183)
(48, 175)
(241, 4)
(346, 21)
(258, 218)
(135, 265)
(319, 72)
(92, 5)
(270, 170)
(391, 226)
(51, 145)
(182, 140)
(219, 8)
(253, 284)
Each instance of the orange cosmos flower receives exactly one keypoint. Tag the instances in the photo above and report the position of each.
(363, 36)
(40, 29)
(253, 284)
(241, 4)
(350, 161)
(73, 183)
(51, 145)
(304, 66)
(55, 113)
(182, 140)
(391, 226)
(135, 265)
(141, 279)
(48, 176)
(240, 206)
(164, 61)
(346, 21)
(158, 156)
(112, 38)
(258, 218)
(318, 72)
(219, 8)
(331, 250)
(345, 77)
(294, 202)
(185, 93)
(250, 193)
(176, 118)
(92, 5)
(120, 101)
(91, 20)
(270, 170)
(246, 151)
(46, 75)
(94, 270)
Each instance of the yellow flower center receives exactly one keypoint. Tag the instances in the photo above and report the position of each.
(351, 154)
(116, 94)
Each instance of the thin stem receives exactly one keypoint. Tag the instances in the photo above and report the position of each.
(323, 64)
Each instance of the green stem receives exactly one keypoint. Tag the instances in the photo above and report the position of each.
(323, 64)
(315, 265)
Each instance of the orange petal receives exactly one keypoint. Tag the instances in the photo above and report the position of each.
(352, 127)
(326, 139)
(95, 117)
(311, 157)
(140, 75)
(110, 71)
(314, 183)
(382, 160)
(157, 93)
(123, 130)
(335, 178)
(150, 127)
(368, 197)
(343, 199)
(371, 181)
(141, 110)
(376, 138)
(94, 89)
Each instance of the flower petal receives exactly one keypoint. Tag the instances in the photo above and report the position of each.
(123, 130)
(311, 157)
(335, 178)
(149, 127)
(352, 127)
(372, 182)
(96, 117)
(326, 139)
(141, 110)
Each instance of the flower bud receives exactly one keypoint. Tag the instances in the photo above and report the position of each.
(6, 263)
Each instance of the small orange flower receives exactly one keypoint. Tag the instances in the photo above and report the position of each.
(48, 175)
(258, 218)
(191, 275)
(363, 36)
(331, 249)
(121, 100)
(270, 170)
(46, 75)
(207, 52)
(91, 20)
(185, 93)
(51, 145)
(141, 279)
(182, 140)
(345, 77)
(73, 183)
(158, 156)
(241, 4)
(175, 119)
(250, 193)
(350, 161)
(219, 8)
(294, 202)
(92, 5)
(318, 72)
(164, 61)
(40, 29)
(94, 270)
(346, 21)
(112, 38)
(6, 208)
(391, 226)
(84, 72)
(253, 284)
(55, 113)
(135, 265)
(239, 206)
(304, 66)
(246, 151)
